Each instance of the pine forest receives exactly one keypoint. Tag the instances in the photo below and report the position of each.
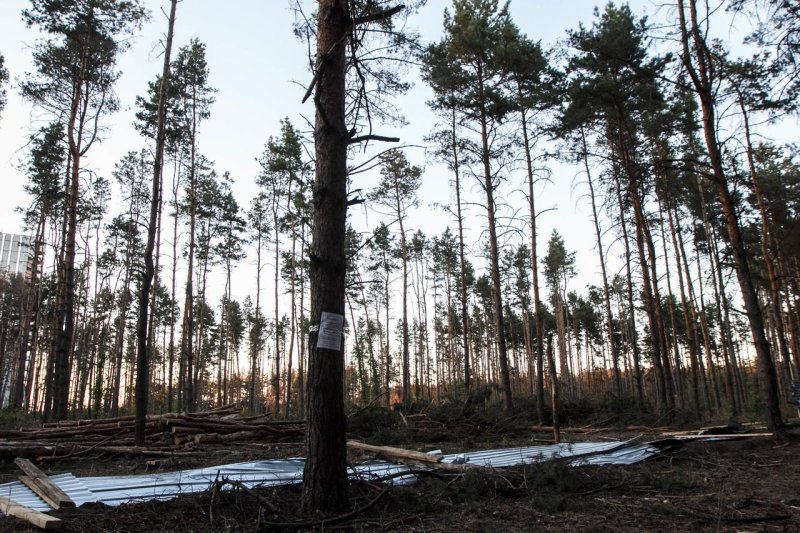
(358, 266)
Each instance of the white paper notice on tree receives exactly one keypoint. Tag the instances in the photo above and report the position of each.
(330, 331)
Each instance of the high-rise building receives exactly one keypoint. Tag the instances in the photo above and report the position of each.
(15, 253)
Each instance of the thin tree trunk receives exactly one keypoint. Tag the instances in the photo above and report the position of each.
(187, 330)
(494, 254)
(461, 261)
(689, 317)
(554, 392)
(144, 335)
(404, 258)
(601, 254)
(637, 369)
(775, 295)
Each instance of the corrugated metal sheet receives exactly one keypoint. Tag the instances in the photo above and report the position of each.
(116, 490)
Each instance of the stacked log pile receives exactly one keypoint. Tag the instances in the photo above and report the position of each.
(168, 434)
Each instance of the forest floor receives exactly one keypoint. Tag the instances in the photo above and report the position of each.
(751, 484)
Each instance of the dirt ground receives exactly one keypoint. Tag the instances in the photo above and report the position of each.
(744, 485)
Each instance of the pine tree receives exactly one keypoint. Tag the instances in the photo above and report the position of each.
(75, 73)
(468, 71)
(144, 334)
(397, 192)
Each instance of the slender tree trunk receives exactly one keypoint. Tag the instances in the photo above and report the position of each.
(689, 317)
(28, 317)
(725, 332)
(301, 353)
(276, 378)
(461, 260)
(678, 376)
(65, 307)
(325, 474)
(187, 330)
(293, 324)
(144, 335)
(637, 369)
(774, 289)
(601, 254)
(173, 291)
(404, 257)
(554, 392)
(387, 346)
(494, 254)
(537, 302)
(256, 330)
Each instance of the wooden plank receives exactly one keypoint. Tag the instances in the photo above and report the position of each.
(33, 516)
(391, 453)
(38, 482)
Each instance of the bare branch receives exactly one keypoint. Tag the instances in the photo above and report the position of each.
(381, 138)
(381, 15)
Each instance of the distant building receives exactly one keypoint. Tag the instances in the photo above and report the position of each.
(15, 253)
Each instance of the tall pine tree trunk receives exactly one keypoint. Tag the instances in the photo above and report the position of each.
(494, 254)
(325, 474)
(144, 334)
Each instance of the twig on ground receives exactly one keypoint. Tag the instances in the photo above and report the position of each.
(329, 521)
(238, 484)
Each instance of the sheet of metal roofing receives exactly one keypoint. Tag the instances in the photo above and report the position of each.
(21, 494)
(627, 456)
(532, 454)
(116, 490)
(72, 486)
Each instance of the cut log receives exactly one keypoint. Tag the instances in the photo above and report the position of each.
(33, 516)
(206, 438)
(400, 454)
(38, 482)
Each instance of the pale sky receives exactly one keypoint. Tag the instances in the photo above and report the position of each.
(259, 69)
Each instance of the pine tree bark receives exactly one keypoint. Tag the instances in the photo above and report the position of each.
(399, 212)
(774, 288)
(325, 475)
(65, 308)
(187, 328)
